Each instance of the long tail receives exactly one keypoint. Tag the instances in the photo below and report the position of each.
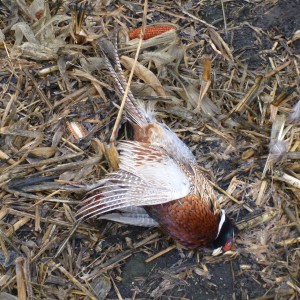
(135, 110)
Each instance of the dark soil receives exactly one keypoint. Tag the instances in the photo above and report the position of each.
(272, 21)
(173, 275)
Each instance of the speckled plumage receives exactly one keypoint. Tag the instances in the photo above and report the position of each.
(159, 173)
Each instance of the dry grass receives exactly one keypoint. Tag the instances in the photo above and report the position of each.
(241, 122)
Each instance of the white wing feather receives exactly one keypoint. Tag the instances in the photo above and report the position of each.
(147, 176)
(155, 168)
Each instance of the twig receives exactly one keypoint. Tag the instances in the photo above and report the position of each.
(197, 19)
(63, 245)
(224, 18)
(289, 242)
(146, 240)
(118, 120)
(293, 181)
(292, 217)
(116, 289)
(277, 69)
(20, 278)
(52, 264)
(160, 253)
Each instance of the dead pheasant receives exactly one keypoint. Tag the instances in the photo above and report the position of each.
(159, 182)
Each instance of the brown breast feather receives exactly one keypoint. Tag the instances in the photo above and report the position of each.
(188, 220)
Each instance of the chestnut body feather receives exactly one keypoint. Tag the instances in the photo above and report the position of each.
(188, 220)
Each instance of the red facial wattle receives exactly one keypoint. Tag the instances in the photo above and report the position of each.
(228, 244)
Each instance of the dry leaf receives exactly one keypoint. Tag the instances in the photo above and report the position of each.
(22, 29)
(44, 152)
(219, 44)
(36, 8)
(143, 73)
(36, 52)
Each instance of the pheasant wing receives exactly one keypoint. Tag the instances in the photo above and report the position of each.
(147, 176)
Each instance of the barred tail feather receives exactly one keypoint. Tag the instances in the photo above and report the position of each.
(135, 110)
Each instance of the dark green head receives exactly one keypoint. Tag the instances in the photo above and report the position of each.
(225, 237)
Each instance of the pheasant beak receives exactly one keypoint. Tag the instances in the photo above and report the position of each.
(224, 248)
(217, 251)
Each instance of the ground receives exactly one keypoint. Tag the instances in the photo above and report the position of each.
(105, 260)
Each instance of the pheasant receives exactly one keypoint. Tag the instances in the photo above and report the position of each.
(159, 182)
